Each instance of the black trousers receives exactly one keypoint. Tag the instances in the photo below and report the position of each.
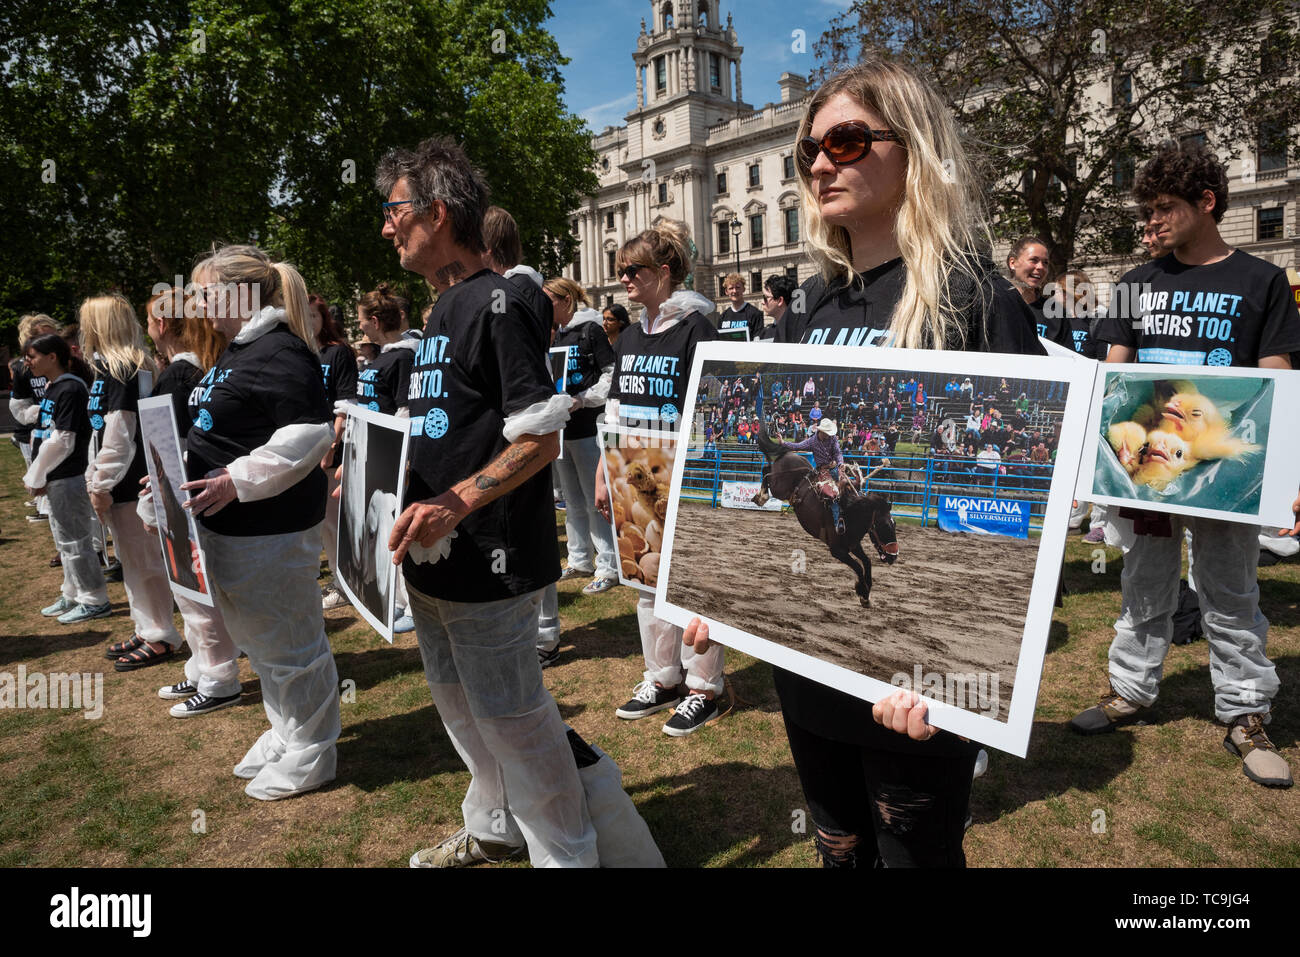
(907, 810)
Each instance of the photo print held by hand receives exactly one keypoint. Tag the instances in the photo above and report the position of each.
(943, 577)
(372, 487)
(178, 532)
(1192, 440)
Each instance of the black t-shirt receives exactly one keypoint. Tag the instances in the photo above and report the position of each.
(995, 320)
(1229, 313)
(254, 389)
(748, 315)
(539, 304)
(28, 386)
(179, 380)
(112, 395)
(589, 353)
(338, 366)
(63, 409)
(651, 372)
(474, 368)
(382, 385)
(994, 317)
(1052, 323)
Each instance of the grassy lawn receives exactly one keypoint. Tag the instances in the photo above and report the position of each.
(137, 787)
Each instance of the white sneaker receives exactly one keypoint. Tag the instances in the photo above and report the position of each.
(331, 597)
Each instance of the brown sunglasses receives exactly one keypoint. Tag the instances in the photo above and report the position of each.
(843, 144)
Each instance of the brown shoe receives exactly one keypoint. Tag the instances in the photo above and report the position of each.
(1260, 759)
(1108, 714)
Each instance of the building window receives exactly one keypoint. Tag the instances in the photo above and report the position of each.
(1272, 148)
(1193, 139)
(610, 254)
(663, 193)
(791, 225)
(756, 231)
(1122, 173)
(1121, 89)
(574, 224)
(1269, 222)
(661, 75)
(703, 16)
(609, 300)
(722, 287)
(755, 280)
(577, 267)
(609, 219)
(787, 167)
(668, 15)
(724, 239)
(753, 175)
(715, 71)
(792, 272)
(1194, 72)
(722, 182)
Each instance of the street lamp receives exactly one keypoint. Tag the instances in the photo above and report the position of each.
(735, 239)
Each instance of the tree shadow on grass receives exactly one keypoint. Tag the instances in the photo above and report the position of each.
(1060, 759)
(25, 648)
(717, 808)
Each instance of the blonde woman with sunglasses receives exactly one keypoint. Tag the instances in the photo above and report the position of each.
(895, 228)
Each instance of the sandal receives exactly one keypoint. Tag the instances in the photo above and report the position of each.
(143, 657)
(121, 648)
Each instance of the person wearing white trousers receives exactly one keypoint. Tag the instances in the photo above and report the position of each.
(262, 426)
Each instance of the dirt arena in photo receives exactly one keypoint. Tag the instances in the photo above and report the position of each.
(951, 603)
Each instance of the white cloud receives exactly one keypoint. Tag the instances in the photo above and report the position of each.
(608, 114)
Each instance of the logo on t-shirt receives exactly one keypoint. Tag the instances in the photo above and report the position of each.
(204, 420)
(1219, 357)
(96, 422)
(668, 412)
(436, 423)
(372, 406)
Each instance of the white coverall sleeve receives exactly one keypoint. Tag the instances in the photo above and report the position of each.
(286, 458)
(611, 411)
(597, 395)
(116, 452)
(144, 509)
(540, 418)
(54, 449)
(24, 411)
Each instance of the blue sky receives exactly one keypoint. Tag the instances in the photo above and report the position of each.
(599, 37)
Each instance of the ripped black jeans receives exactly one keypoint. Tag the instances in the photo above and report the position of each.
(906, 810)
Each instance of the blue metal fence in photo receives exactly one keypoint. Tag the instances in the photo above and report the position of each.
(918, 486)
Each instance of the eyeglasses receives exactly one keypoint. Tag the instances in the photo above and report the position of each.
(389, 209)
(843, 144)
(630, 270)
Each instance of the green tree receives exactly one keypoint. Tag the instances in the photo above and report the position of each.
(1022, 77)
(172, 125)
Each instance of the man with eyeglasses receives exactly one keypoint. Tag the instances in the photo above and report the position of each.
(477, 537)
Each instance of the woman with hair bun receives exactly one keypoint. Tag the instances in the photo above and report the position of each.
(382, 387)
(191, 347)
(652, 267)
(896, 231)
(261, 428)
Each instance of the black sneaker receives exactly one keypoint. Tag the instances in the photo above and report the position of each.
(691, 715)
(548, 658)
(648, 698)
(179, 691)
(202, 704)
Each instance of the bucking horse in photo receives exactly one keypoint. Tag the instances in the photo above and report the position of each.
(789, 477)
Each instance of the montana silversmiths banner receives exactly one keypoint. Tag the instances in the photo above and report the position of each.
(984, 516)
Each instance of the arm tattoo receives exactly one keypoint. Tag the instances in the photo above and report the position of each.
(485, 482)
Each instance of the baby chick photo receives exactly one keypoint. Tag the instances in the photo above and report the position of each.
(1187, 444)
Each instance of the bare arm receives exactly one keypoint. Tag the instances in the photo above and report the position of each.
(1120, 353)
(427, 521)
